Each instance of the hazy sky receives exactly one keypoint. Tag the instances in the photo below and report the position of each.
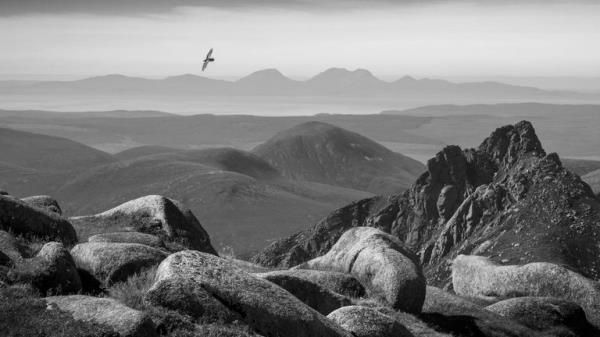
(300, 38)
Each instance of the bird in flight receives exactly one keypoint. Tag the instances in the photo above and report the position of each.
(208, 59)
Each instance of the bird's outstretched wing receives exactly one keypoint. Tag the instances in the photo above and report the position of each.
(204, 65)
(209, 53)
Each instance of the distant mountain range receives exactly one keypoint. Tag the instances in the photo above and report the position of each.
(271, 82)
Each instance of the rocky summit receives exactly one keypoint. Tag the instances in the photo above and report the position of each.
(506, 199)
(496, 241)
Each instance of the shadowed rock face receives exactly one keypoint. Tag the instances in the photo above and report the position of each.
(312, 294)
(460, 317)
(21, 218)
(554, 315)
(506, 199)
(341, 283)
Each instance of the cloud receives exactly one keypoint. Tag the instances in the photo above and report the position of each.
(135, 7)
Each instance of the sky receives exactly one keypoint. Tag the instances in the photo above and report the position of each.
(422, 38)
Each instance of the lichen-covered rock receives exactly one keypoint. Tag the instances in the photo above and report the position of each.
(314, 295)
(554, 315)
(341, 283)
(105, 311)
(44, 202)
(111, 262)
(129, 237)
(368, 322)
(264, 306)
(387, 269)
(477, 276)
(18, 217)
(156, 215)
(51, 270)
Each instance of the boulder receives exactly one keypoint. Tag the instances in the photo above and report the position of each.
(18, 217)
(368, 322)
(314, 295)
(549, 314)
(152, 214)
(10, 247)
(341, 283)
(458, 316)
(111, 262)
(51, 270)
(44, 202)
(380, 262)
(189, 297)
(478, 276)
(267, 308)
(105, 311)
(129, 237)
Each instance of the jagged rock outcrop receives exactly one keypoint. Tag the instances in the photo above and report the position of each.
(368, 322)
(110, 262)
(312, 294)
(548, 314)
(341, 283)
(506, 198)
(51, 270)
(125, 321)
(129, 237)
(477, 276)
(381, 263)
(264, 306)
(20, 218)
(44, 202)
(157, 215)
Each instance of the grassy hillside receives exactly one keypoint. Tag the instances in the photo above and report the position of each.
(324, 153)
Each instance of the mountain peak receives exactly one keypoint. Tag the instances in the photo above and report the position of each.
(343, 74)
(324, 153)
(509, 143)
(265, 74)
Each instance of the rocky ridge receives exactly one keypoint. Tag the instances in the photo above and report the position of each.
(507, 199)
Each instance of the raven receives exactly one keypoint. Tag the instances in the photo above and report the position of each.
(208, 59)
